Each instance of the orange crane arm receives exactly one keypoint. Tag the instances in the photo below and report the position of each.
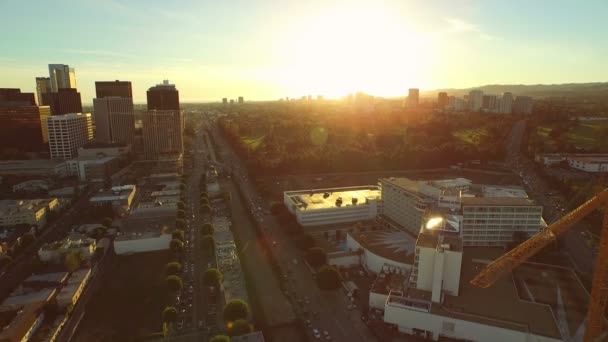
(507, 262)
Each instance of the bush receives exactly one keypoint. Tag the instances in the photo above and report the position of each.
(176, 246)
(173, 268)
(240, 327)
(169, 314)
(180, 223)
(220, 338)
(212, 277)
(178, 234)
(316, 256)
(207, 229)
(328, 278)
(236, 309)
(174, 283)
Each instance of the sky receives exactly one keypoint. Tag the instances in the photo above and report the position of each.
(270, 49)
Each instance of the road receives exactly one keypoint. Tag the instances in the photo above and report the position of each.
(342, 324)
(553, 209)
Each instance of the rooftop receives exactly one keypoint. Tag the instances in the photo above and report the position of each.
(97, 144)
(327, 198)
(29, 164)
(497, 201)
(389, 281)
(8, 207)
(54, 277)
(391, 244)
(27, 296)
(432, 239)
(538, 297)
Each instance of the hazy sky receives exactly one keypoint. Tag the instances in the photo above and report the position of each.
(270, 49)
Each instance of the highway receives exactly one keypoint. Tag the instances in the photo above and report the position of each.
(333, 316)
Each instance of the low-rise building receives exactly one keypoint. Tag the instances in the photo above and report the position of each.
(587, 162)
(119, 197)
(93, 169)
(34, 185)
(101, 150)
(70, 293)
(336, 205)
(35, 167)
(20, 322)
(56, 251)
(30, 212)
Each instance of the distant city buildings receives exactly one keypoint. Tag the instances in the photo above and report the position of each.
(163, 123)
(475, 100)
(22, 123)
(506, 103)
(31, 212)
(225, 100)
(488, 103)
(523, 105)
(413, 95)
(113, 112)
(61, 76)
(241, 100)
(442, 100)
(64, 101)
(67, 133)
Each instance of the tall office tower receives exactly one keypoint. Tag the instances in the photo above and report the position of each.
(163, 123)
(506, 103)
(488, 103)
(43, 86)
(413, 95)
(66, 100)
(163, 97)
(114, 119)
(475, 100)
(523, 105)
(22, 123)
(224, 100)
(241, 99)
(62, 76)
(67, 133)
(113, 88)
(442, 100)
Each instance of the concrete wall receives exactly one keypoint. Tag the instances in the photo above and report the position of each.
(142, 245)
(342, 259)
(371, 261)
(377, 300)
(407, 320)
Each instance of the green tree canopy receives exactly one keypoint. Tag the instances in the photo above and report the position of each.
(206, 209)
(207, 243)
(239, 327)
(220, 338)
(73, 260)
(236, 309)
(181, 213)
(204, 201)
(316, 256)
(178, 234)
(207, 229)
(173, 268)
(27, 239)
(328, 278)
(5, 260)
(169, 314)
(174, 283)
(212, 277)
(176, 246)
(180, 223)
(181, 205)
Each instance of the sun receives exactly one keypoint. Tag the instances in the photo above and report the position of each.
(343, 50)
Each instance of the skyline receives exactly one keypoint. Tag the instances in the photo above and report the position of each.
(265, 52)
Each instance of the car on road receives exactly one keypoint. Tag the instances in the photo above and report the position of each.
(316, 333)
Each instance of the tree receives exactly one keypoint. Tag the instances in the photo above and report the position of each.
(328, 278)
(181, 205)
(305, 241)
(205, 209)
(204, 201)
(173, 268)
(236, 309)
(181, 213)
(73, 260)
(180, 223)
(204, 194)
(208, 243)
(169, 314)
(240, 327)
(220, 338)
(5, 260)
(212, 277)
(182, 186)
(207, 229)
(277, 209)
(316, 256)
(176, 246)
(99, 232)
(178, 234)
(27, 239)
(174, 283)
(107, 222)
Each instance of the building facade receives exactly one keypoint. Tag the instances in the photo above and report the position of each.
(114, 119)
(31, 212)
(402, 204)
(475, 100)
(413, 97)
(64, 101)
(43, 86)
(506, 103)
(163, 97)
(162, 133)
(67, 133)
(113, 89)
(24, 127)
(442, 100)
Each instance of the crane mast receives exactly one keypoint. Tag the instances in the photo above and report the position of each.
(599, 291)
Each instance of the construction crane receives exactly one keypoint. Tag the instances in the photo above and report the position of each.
(599, 291)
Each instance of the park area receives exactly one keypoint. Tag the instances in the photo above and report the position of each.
(587, 135)
(472, 136)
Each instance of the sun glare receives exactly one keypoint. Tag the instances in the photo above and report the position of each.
(364, 49)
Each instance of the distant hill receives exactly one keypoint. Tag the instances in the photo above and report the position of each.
(596, 89)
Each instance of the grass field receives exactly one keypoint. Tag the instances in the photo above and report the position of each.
(471, 136)
(583, 136)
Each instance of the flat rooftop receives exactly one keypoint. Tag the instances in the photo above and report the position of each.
(392, 244)
(386, 282)
(497, 201)
(431, 239)
(326, 198)
(543, 299)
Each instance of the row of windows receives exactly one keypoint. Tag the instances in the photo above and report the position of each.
(505, 209)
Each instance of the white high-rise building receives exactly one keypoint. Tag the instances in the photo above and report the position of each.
(62, 76)
(506, 103)
(475, 100)
(67, 133)
(114, 120)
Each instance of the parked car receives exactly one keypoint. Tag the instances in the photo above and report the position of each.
(316, 333)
